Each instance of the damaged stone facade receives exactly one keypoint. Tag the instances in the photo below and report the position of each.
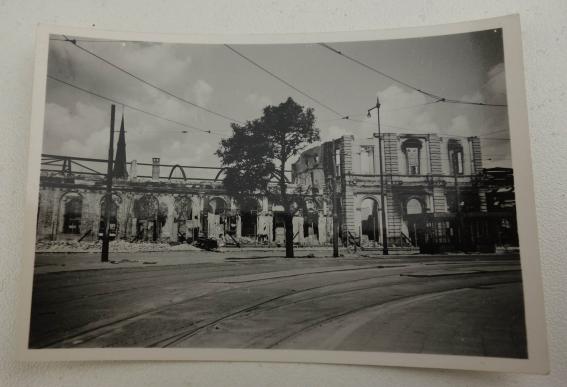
(422, 173)
(165, 209)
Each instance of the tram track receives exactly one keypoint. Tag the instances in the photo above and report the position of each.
(258, 308)
(161, 308)
(87, 335)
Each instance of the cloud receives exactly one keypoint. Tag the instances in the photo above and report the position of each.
(202, 92)
(494, 89)
(406, 111)
(258, 102)
(460, 126)
(334, 132)
(76, 125)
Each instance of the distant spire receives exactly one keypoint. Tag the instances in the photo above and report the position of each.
(120, 171)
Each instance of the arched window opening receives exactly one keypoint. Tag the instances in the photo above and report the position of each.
(215, 220)
(146, 214)
(72, 215)
(183, 219)
(370, 224)
(217, 206)
(113, 224)
(183, 209)
(412, 151)
(311, 221)
(249, 210)
(413, 207)
(456, 165)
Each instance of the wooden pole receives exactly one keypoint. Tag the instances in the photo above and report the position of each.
(108, 195)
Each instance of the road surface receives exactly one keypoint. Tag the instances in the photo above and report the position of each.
(462, 305)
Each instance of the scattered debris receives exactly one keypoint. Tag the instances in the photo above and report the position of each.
(119, 246)
(124, 261)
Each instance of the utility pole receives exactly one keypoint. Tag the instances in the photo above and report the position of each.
(382, 197)
(458, 228)
(108, 195)
(333, 188)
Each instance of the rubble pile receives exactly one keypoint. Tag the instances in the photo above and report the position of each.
(119, 246)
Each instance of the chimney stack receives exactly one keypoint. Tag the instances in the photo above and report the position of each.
(155, 168)
(133, 170)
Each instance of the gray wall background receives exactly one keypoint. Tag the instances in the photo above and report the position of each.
(544, 38)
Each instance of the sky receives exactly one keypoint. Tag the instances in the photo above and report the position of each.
(465, 67)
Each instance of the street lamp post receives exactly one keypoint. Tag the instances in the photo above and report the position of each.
(333, 189)
(382, 198)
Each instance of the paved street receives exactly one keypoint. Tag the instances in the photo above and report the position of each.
(464, 304)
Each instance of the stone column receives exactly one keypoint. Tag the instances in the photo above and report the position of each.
(238, 226)
(298, 229)
(167, 229)
(47, 214)
(322, 228)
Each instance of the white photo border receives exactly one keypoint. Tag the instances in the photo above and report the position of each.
(537, 360)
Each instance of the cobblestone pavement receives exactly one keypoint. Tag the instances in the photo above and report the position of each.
(464, 305)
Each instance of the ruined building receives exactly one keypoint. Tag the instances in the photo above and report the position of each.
(435, 191)
(437, 197)
(158, 202)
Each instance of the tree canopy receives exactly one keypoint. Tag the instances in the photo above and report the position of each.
(256, 156)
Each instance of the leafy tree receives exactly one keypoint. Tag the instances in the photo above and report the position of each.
(257, 154)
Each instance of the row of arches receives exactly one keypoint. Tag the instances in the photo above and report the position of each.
(144, 218)
(150, 214)
(177, 217)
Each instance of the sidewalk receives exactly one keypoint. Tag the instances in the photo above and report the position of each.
(50, 262)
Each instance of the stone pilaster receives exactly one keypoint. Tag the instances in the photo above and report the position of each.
(435, 154)
(391, 149)
(347, 195)
(393, 215)
(476, 154)
(439, 199)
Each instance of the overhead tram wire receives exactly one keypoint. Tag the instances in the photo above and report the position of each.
(353, 116)
(426, 93)
(134, 107)
(228, 118)
(318, 102)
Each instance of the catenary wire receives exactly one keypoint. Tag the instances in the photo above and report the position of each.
(284, 81)
(133, 107)
(154, 86)
(431, 95)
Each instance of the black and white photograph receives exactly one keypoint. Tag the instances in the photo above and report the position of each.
(350, 196)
